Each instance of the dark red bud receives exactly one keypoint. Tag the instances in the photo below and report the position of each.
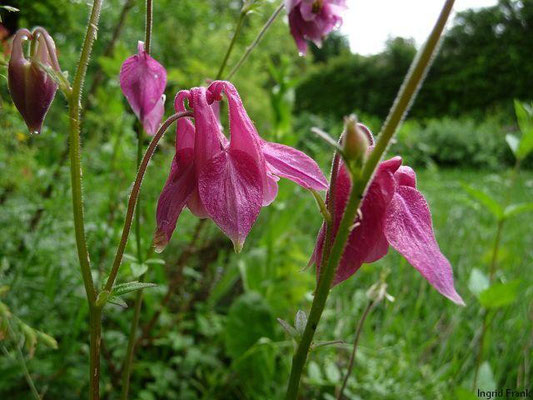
(32, 89)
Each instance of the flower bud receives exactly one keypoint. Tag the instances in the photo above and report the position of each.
(356, 142)
(31, 88)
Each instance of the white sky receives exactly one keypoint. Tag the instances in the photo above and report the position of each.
(369, 23)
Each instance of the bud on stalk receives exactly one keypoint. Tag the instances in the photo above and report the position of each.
(31, 88)
(356, 142)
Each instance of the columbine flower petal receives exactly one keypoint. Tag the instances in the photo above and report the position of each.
(408, 229)
(286, 162)
(32, 89)
(143, 81)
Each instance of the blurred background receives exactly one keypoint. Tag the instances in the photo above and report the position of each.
(216, 336)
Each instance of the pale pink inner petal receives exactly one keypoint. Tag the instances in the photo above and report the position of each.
(292, 164)
(408, 229)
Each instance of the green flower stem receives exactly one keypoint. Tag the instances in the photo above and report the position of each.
(77, 198)
(240, 21)
(75, 156)
(95, 318)
(360, 180)
(148, 25)
(128, 361)
(135, 194)
(256, 41)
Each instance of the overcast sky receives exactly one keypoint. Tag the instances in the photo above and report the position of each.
(369, 23)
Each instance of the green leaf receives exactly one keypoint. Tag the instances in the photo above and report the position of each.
(124, 288)
(513, 142)
(478, 281)
(499, 295)
(248, 323)
(118, 301)
(249, 319)
(159, 261)
(524, 115)
(288, 328)
(138, 269)
(300, 321)
(517, 209)
(485, 200)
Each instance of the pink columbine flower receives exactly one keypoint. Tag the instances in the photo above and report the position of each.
(225, 180)
(143, 81)
(313, 20)
(31, 88)
(395, 213)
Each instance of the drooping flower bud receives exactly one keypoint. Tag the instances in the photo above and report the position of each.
(31, 88)
(356, 142)
(143, 81)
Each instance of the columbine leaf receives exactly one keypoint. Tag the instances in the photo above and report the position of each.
(478, 281)
(517, 209)
(524, 115)
(499, 295)
(118, 301)
(485, 200)
(124, 288)
(288, 328)
(300, 321)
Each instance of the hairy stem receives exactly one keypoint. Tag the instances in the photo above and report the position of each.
(407, 92)
(77, 197)
(135, 194)
(256, 41)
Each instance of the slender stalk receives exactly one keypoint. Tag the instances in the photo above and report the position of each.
(242, 15)
(77, 197)
(148, 21)
(128, 361)
(95, 318)
(135, 194)
(75, 156)
(360, 181)
(257, 39)
(358, 331)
